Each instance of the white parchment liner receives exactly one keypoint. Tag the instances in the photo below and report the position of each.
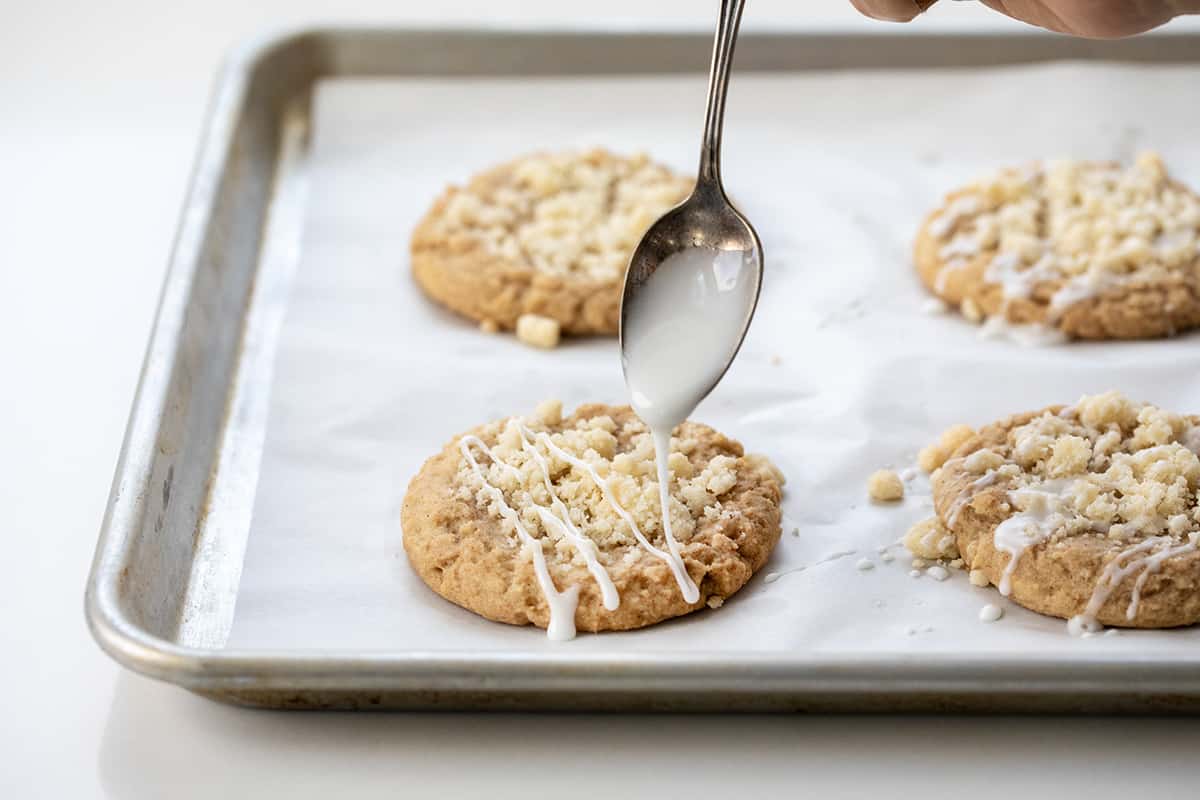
(836, 170)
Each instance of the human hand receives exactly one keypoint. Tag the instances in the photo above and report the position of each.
(1098, 19)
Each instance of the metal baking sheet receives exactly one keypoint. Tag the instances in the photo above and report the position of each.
(288, 278)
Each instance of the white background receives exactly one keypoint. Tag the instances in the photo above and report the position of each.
(100, 106)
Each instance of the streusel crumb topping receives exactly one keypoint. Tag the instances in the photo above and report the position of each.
(929, 539)
(1107, 466)
(934, 455)
(622, 456)
(567, 214)
(884, 485)
(1076, 223)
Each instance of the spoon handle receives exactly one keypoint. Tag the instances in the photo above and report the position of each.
(718, 83)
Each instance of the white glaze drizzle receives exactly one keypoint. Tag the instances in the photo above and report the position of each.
(1028, 528)
(960, 502)
(943, 275)
(1169, 241)
(964, 206)
(562, 605)
(1126, 563)
(936, 537)
(1076, 290)
(662, 449)
(1032, 334)
(990, 613)
(687, 587)
(934, 306)
(1015, 283)
(938, 572)
(771, 577)
(1038, 522)
(1005, 270)
(961, 245)
(561, 520)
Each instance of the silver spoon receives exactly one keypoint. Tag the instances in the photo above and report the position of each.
(706, 219)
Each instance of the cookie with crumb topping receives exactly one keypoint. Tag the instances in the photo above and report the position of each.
(509, 521)
(1088, 512)
(547, 236)
(1089, 249)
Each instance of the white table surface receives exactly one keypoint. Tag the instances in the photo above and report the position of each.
(100, 106)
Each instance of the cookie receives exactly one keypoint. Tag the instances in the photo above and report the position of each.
(1087, 249)
(557, 522)
(1086, 512)
(548, 235)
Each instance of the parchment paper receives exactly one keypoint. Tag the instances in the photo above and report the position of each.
(835, 169)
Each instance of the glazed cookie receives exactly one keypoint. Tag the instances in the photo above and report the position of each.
(547, 236)
(1089, 249)
(1087, 512)
(557, 522)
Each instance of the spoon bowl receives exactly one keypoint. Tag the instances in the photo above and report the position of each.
(706, 220)
(717, 256)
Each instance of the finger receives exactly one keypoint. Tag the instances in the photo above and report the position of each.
(892, 10)
(1086, 17)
